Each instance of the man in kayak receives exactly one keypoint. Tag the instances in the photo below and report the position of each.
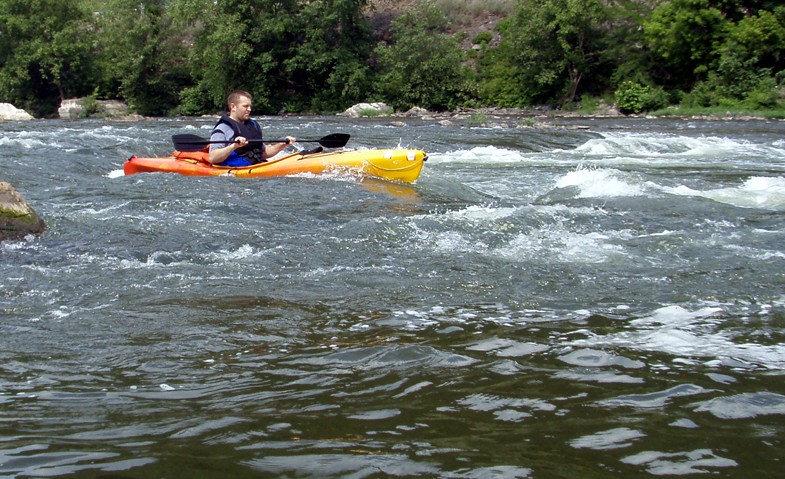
(242, 135)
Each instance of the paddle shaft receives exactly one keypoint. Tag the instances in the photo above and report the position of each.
(189, 142)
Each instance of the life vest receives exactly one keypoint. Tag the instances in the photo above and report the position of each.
(253, 151)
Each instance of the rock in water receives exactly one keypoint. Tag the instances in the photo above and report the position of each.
(17, 217)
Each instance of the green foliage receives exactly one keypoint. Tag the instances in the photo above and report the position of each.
(632, 97)
(548, 48)
(373, 112)
(500, 79)
(290, 54)
(765, 95)
(141, 56)
(589, 103)
(45, 53)
(194, 101)
(90, 107)
(627, 54)
(478, 119)
(483, 38)
(423, 66)
(329, 69)
(184, 56)
(683, 35)
(760, 91)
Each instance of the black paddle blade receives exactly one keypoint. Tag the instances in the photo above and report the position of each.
(189, 142)
(334, 140)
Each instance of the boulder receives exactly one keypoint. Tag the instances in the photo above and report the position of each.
(113, 108)
(17, 217)
(416, 111)
(9, 112)
(70, 109)
(367, 109)
(81, 107)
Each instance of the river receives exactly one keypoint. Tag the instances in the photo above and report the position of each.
(583, 298)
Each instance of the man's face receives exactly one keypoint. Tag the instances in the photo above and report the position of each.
(241, 110)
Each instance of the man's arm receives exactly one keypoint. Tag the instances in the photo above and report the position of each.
(273, 149)
(221, 151)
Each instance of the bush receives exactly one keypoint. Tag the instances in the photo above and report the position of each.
(658, 98)
(632, 97)
(702, 95)
(765, 95)
(194, 101)
(482, 39)
(90, 107)
(588, 103)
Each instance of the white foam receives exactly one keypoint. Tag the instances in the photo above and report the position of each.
(27, 143)
(756, 192)
(563, 246)
(600, 183)
(556, 240)
(243, 252)
(480, 154)
(664, 145)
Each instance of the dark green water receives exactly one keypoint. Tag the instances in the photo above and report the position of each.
(599, 298)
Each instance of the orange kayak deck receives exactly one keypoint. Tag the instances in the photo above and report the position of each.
(395, 164)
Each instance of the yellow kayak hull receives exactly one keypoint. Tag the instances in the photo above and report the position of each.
(394, 165)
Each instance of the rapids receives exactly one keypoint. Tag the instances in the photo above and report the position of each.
(592, 298)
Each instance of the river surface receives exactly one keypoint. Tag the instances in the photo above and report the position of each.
(588, 298)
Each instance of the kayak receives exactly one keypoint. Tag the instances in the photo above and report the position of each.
(394, 164)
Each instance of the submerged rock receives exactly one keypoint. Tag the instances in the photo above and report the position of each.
(17, 217)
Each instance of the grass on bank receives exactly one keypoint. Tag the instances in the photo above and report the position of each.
(719, 111)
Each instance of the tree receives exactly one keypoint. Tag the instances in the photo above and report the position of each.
(758, 40)
(721, 52)
(626, 49)
(548, 48)
(277, 50)
(753, 51)
(684, 35)
(143, 58)
(45, 53)
(423, 66)
(328, 66)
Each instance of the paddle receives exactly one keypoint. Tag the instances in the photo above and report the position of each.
(189, 142)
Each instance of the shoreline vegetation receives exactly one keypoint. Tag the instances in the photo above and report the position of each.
(478, 116)
(182, 57)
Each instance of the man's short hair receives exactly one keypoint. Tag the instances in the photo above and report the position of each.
(235, 96)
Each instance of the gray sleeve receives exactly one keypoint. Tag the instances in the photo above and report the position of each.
(221, 133)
